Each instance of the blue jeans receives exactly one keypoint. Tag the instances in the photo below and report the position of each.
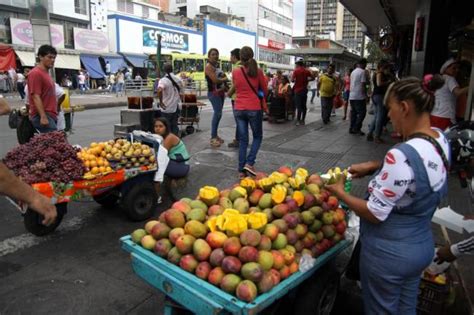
(380, 112)
(245, 118)
(235, 118)
(82, 87)
(358, 111)
(217, 103)
(300, 99)
(35, 121)
(326, 108)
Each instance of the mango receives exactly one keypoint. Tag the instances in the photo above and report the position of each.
(215, 276)
(203, 269)
(196, 229)
(265, 243)
(265, 259)
(280, 241)
(137, 235)
(266, 284)
(265, 201)
(216, 239)
(209, 195)
(148, 242)
(241, 205)
(250, 237)
(237, 192)
(174, 218)
(217, 255)
(175, 234)
(252, 271)
(188, 263)
(255, 196)
(248, 254)
(174, 256)
(201, 250)
(225, 203)
(229, 283)
(198, 204)
(246, 291)
(196, 214)
(271, 231)
(160, 230)
(184, 244)
(231, 264)
(232, 246)
(162, 247)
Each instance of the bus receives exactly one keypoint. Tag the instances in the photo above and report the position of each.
(191, 65)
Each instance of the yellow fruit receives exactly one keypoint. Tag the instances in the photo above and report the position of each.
(93, 163)
(108, 169)
(106, 163)
(113, 151)
(109, 156)
(102, 169)
(95, 170)
(87, 164)
(103, 154)
(93, 144)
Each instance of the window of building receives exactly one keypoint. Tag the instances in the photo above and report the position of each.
(145, 11)
(125, 6)
(80, 6)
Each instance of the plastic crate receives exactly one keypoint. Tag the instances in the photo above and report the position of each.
(432, 297)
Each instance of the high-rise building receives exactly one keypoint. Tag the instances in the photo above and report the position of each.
(329, 18)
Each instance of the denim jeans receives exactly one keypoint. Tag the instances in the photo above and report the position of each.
(236, 124)
(217, 103)
(380, 113)
(300, 102)
(173, 120)
(326, 108)
(313, 94)
(358, 111)
(35, 121)
(82, 88)
(245, 118)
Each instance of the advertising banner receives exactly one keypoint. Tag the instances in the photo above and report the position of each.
(85, 39)
(22, 33)
(169, 39)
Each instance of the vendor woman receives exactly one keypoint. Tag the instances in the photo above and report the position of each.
(172, 156)
(396, 238)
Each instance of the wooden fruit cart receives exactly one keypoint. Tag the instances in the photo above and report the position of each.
(201, 297)
(132, 189)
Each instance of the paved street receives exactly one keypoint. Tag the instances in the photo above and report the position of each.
(81, 267)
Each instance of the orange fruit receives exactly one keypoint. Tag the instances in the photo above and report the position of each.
(87, 164)
(95, 170)
(93, 163)
(100, 162)
(103, 153)
(102, 169)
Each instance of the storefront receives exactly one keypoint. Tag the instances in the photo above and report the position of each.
(271, 52)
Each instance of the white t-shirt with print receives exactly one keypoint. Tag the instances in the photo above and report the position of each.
(358, 82)
(445, 100)
(395, 185)
(171, 97)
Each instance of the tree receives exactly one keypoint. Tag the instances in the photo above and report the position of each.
(374, 53)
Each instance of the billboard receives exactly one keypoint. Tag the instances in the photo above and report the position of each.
(85, 39)
(169, 39)
(22, 33)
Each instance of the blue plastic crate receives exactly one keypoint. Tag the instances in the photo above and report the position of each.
(202, 297)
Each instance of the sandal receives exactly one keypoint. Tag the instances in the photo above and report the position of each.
(220, 139)
(215, 143)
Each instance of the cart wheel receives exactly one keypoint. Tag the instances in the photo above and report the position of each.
(318, 293)
(108, 199)
(190, 130)
(140, 201)
(33, 219)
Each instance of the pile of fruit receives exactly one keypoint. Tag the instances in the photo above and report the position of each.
(46, 157)
(98, 158)
(247, 239)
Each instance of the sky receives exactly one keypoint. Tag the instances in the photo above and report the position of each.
(299, 12)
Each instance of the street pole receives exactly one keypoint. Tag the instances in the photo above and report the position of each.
(158, 57)
(39, 19)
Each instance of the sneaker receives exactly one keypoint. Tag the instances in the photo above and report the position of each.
(159, 200)
(220, 139)
(250, 169)
(333, 114)
(302, 123)
(370, 137)
(215, 143)
(233, 144)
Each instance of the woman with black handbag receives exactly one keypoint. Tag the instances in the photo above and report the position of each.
(396, 238)
(251, 89)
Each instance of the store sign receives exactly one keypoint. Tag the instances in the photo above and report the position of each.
(85, 39)
(276, 45)
(169, 39)
(22, 33)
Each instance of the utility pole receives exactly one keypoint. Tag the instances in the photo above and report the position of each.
(39, 19)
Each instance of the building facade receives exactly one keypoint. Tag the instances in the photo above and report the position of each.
(329, 19)
(272, 20)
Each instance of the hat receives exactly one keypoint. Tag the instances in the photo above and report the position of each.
(299, 59)
(447, 64)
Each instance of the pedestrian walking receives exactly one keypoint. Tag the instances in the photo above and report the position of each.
(81, 79)
(326, 91)
(12, 77)
(381, 80)
(358, 97)
(313, 86)
(301, 76)
(169, 92)
(216, 88)
(107, 68)
(444, 112)
(396, 241)
(112, 84)
(251, 89)
(120, 83)
(41, 92)
(20, 84)
(347, 89)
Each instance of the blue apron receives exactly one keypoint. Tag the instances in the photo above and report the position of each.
(395, 252)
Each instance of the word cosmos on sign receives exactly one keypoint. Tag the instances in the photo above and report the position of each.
(169, 39)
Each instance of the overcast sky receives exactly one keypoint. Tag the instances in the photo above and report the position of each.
(299, 12)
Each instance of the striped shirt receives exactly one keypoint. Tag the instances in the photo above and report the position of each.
(463, 247)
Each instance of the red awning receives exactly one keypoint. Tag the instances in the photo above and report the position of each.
(7, 58)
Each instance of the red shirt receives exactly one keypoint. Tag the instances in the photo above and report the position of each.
(41, 83)
(300, 76)
(246, 99)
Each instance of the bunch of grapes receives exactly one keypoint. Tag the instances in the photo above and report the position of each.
(47, 157)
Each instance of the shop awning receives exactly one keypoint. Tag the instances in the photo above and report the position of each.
(92, 65)
(116, 63)
(7, 58)
(27, 58)
(137, 61)
(67, 62)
